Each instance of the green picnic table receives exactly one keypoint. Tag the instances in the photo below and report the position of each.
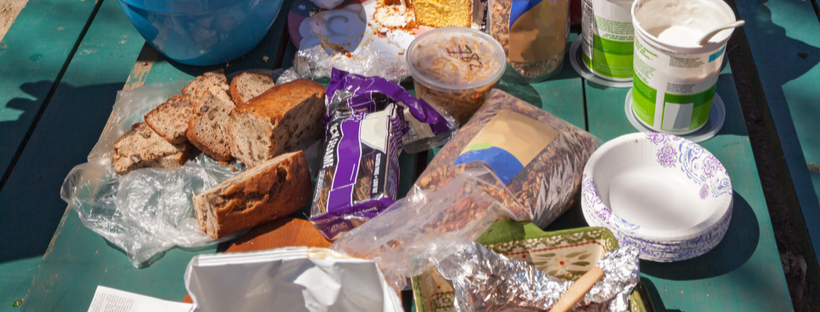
(63, 61)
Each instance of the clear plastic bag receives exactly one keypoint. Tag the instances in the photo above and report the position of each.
(407, 238)
(315, 62)
(538, 157)
(148, 210)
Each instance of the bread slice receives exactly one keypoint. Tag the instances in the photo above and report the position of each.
(189, 90)
(142, 147)
(170, 119)
(276, 121)
(208, 128)
(249, 85)
(273, 189)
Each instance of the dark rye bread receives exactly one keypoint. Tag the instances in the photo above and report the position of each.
(190, 90)
(276, 121)
(273, 189)
(208, 128)
(142, 147)
(249, 85)
(170, 119)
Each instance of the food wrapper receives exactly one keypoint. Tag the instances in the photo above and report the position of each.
(360, 168)
(288, 279)
(426, 127)
(407, 238)
(315, 62)
(537, 157)
(486, 281)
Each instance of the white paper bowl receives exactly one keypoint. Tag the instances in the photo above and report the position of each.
(658, 189)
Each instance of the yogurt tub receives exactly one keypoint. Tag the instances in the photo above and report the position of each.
(675, 76)
(455, 68)
(607, 38)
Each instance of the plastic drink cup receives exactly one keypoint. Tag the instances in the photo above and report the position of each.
(455, 68)
(675, 76)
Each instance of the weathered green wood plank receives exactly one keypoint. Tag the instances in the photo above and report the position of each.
(743, 273)
(32, 55)
(784, 37)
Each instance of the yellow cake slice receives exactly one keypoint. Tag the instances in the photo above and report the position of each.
(443, 13)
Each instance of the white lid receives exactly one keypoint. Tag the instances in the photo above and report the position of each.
(487, 53)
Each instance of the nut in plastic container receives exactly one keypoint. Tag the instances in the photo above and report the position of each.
(455, 68)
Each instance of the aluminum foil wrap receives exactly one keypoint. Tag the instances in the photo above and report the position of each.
(486, 281)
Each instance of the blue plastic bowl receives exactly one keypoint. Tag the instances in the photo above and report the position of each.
(202, 32)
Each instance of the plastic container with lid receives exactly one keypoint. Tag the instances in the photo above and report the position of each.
(202, 32)
(455, 68)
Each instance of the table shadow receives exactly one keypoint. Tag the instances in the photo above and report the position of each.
(733, 251)
(655, 297)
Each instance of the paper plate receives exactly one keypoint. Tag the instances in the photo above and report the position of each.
(717, 117)
(577, 61)
(657, 188)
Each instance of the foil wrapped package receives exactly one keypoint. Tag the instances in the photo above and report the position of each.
(486, 281)
(360, 168)
(426, 126)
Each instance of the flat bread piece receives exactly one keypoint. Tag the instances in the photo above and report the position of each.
(208, 128)
(170, 119)
(250, 85)
(143, 147)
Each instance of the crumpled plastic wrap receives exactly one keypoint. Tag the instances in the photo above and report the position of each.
(315, 62)
(408, 236)
(148, 210)
(486, 281)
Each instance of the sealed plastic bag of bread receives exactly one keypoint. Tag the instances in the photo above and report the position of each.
(537, 156)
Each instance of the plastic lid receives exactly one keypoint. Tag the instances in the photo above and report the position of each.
(456, 58)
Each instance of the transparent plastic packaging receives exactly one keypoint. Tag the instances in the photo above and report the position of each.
(412, 234)
(534, 35)
(315, 62)
(148, 210)
(538, 157)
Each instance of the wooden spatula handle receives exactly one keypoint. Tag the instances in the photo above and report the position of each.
(578, 290)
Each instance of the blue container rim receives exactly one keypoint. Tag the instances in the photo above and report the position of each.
(180, 6)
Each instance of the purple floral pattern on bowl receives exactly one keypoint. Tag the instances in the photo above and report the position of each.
(712, 166)
(667, 156)
(704, 191)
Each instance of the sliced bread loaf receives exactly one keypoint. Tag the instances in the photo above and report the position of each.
(276, 121)
(275, 188)
(208, 128)
(142, 147)
(170, 119)
(249, 85)
(190, 89)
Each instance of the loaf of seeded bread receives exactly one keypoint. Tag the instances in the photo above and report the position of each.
(170, 119)
(273, 189)
(249, 85)
(276, 121)
(142, 147)
(208, 128)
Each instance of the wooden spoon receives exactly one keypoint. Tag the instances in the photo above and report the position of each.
(578, 290)
(703, 40)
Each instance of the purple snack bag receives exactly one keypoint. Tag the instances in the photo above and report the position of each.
(360, 168)
(427, 127)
